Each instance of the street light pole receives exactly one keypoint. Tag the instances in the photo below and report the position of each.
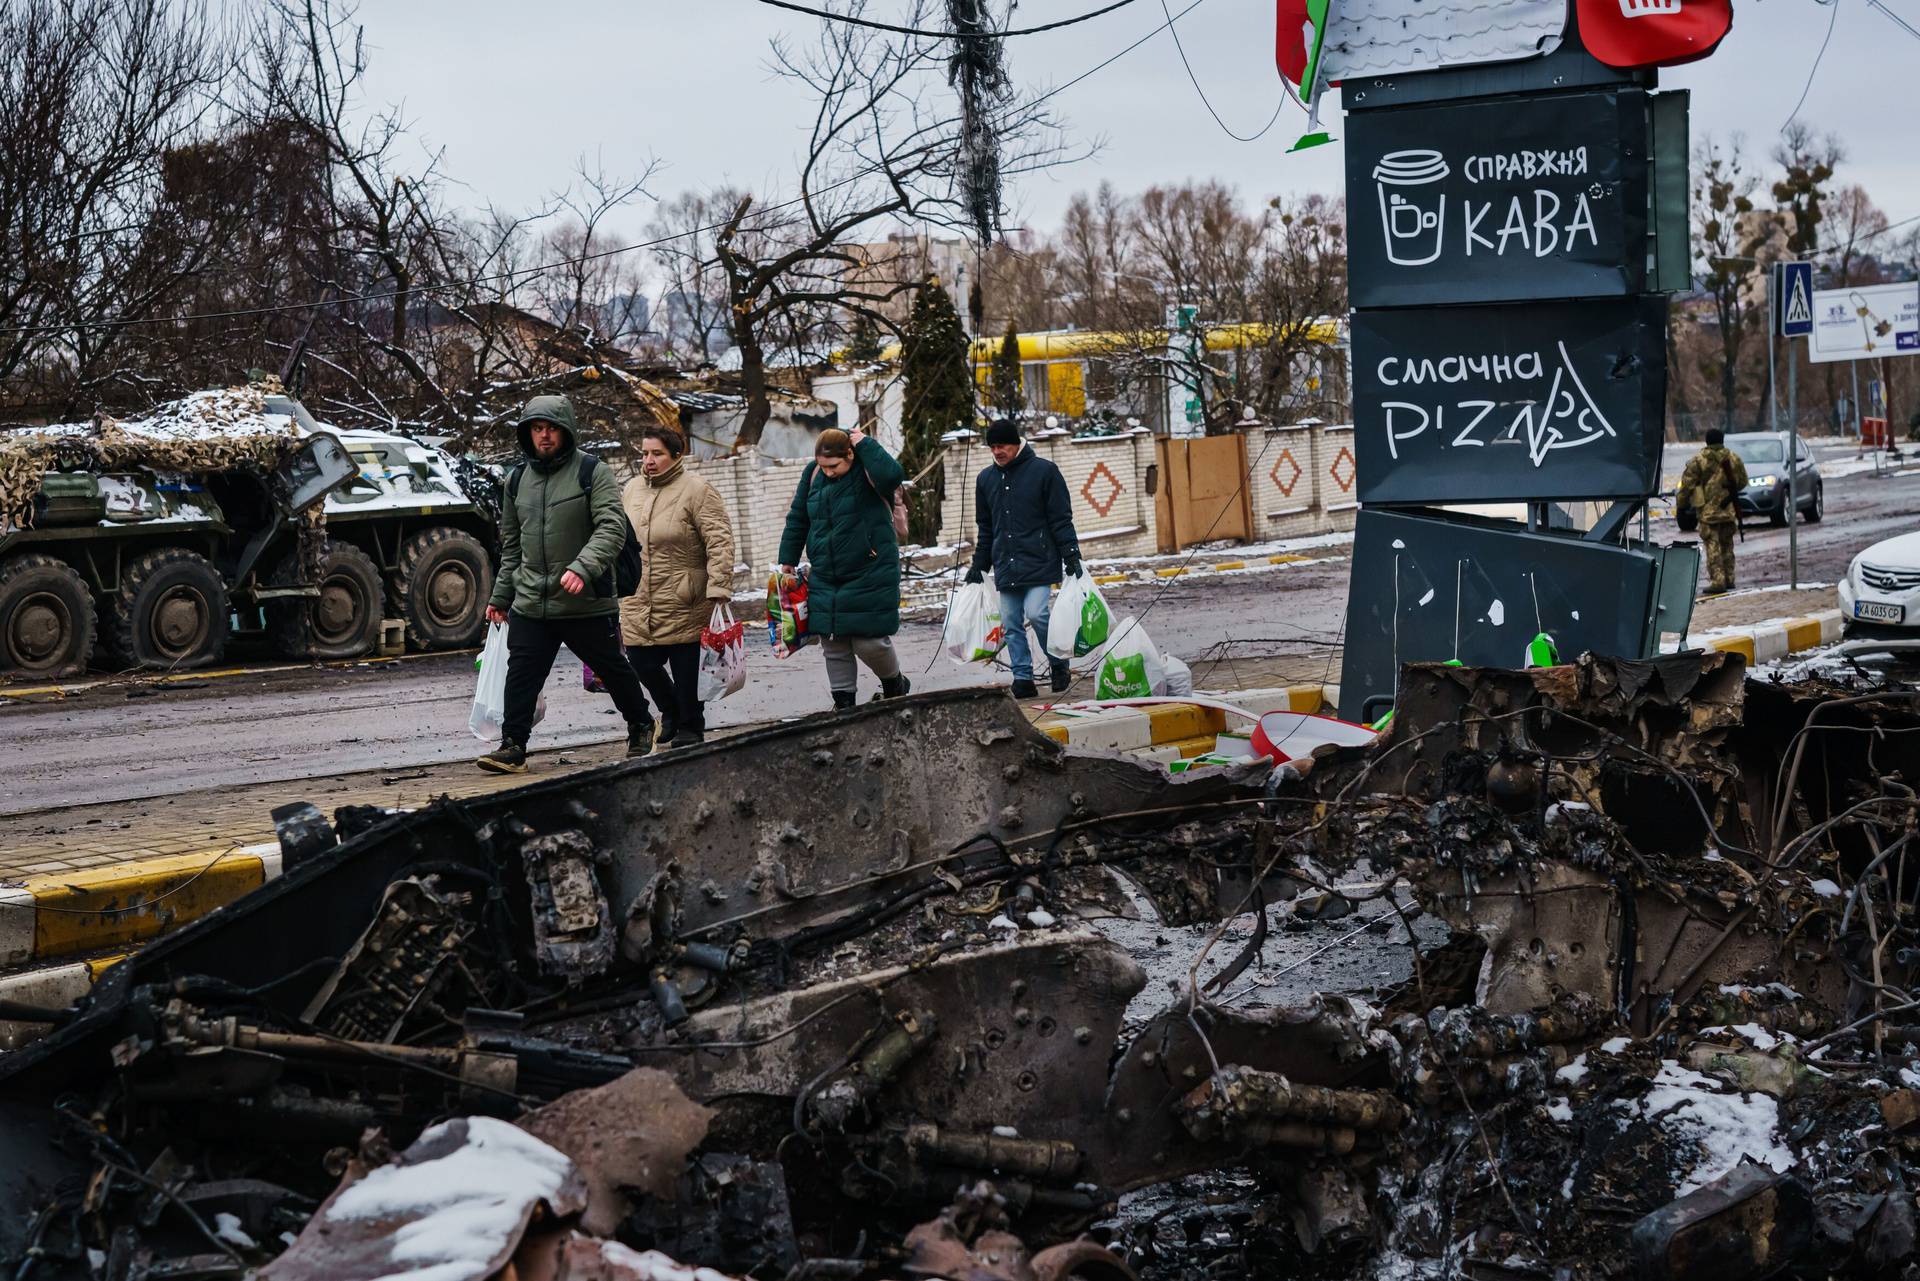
(1793, 470)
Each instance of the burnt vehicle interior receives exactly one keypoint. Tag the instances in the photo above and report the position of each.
(1593, 970)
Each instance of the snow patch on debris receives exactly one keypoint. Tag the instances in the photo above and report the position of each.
(651, 1265)
(464, 1210)
(1776, 989)
(1752, 1033)
(1719, 1128)
(227, 1228)
(1824, 888)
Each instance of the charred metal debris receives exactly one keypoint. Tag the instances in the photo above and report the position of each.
(1600, 970)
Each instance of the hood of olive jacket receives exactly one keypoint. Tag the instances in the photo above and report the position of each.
(557, 410)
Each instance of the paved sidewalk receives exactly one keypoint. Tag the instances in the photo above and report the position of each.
(88, 836)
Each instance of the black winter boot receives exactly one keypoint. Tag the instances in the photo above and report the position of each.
(668, 728)
(895, 686)
(508, 758)
(1025, 689)
(1062, 673)
(639, 738)
(686, 738)
(843, 700)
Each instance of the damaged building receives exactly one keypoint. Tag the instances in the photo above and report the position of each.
(1595, 970)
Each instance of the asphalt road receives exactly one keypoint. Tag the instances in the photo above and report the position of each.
(103, 745)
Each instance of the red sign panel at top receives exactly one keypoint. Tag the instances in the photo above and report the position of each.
(1653, 33)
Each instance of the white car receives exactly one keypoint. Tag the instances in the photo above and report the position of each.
(1880, 596)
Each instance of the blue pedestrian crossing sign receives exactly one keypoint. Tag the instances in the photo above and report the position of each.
(1793, 298)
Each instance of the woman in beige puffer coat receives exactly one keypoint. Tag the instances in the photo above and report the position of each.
(686, 568)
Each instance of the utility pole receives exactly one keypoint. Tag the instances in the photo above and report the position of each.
(1773, 328)
(1859, 432)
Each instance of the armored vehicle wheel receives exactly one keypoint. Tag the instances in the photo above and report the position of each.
(343, 621)
(441, 588)
(46, 618)
(170, 612)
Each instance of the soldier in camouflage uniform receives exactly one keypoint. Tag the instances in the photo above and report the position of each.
(1713, 479)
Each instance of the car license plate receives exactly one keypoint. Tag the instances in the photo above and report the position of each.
(1874, 611)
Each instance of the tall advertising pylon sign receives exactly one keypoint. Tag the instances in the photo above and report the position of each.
(1516, 214)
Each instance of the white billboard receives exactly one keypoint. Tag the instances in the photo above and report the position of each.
(1864, 322)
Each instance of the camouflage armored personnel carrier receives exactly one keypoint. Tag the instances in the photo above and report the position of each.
(421, 540)
(150, 543)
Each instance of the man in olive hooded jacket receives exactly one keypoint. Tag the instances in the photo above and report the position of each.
(561, 529)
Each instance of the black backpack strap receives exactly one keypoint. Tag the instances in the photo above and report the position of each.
(587, 463)
(513, 482)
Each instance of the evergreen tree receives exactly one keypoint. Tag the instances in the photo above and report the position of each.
(1009, 395)
(863, 341)
(939, 398)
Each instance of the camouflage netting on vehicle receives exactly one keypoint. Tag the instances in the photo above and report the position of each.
(209, 431)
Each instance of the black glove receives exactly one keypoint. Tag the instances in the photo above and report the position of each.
(974, 575)
(1073, 567)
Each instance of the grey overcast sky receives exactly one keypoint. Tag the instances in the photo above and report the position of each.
(514, 92)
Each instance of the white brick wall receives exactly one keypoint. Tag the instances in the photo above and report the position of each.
(1296, 473)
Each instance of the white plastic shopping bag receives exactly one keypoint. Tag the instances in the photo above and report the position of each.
(973, 633)
(1130, 666)
(489, 715)
(723, 655)
(1080, 620)
(1179, 677)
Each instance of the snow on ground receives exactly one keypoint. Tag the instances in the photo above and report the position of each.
(1231, 550)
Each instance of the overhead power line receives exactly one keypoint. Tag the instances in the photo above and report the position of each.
(1098, 67)
(1182, 51)
(1818, 58)
(1903, 23)
(853, 21)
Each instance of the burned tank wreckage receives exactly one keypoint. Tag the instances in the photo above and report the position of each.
(916, 991)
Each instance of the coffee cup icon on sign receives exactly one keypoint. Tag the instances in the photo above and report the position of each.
(1413, 206)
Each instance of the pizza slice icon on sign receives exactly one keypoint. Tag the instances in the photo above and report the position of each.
(1653, 33)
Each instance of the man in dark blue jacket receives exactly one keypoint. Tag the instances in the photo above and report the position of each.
(1025, 534)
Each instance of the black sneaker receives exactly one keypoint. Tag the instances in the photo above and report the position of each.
(508, 758)
(668, 728)
(895, 686)
(1025, 689)
(1062, 678)
(843, 699)
(639, 738)
(686, 738)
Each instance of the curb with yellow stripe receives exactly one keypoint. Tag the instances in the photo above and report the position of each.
(1771, 641)
(57, 915)
(1173, 731)
(1178, 571)
(53, 987)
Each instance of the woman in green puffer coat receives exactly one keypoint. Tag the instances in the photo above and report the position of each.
(842, 519)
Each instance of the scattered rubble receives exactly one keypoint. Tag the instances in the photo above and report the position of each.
(905, 992)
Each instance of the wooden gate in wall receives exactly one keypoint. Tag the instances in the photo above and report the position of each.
(1203, 495)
